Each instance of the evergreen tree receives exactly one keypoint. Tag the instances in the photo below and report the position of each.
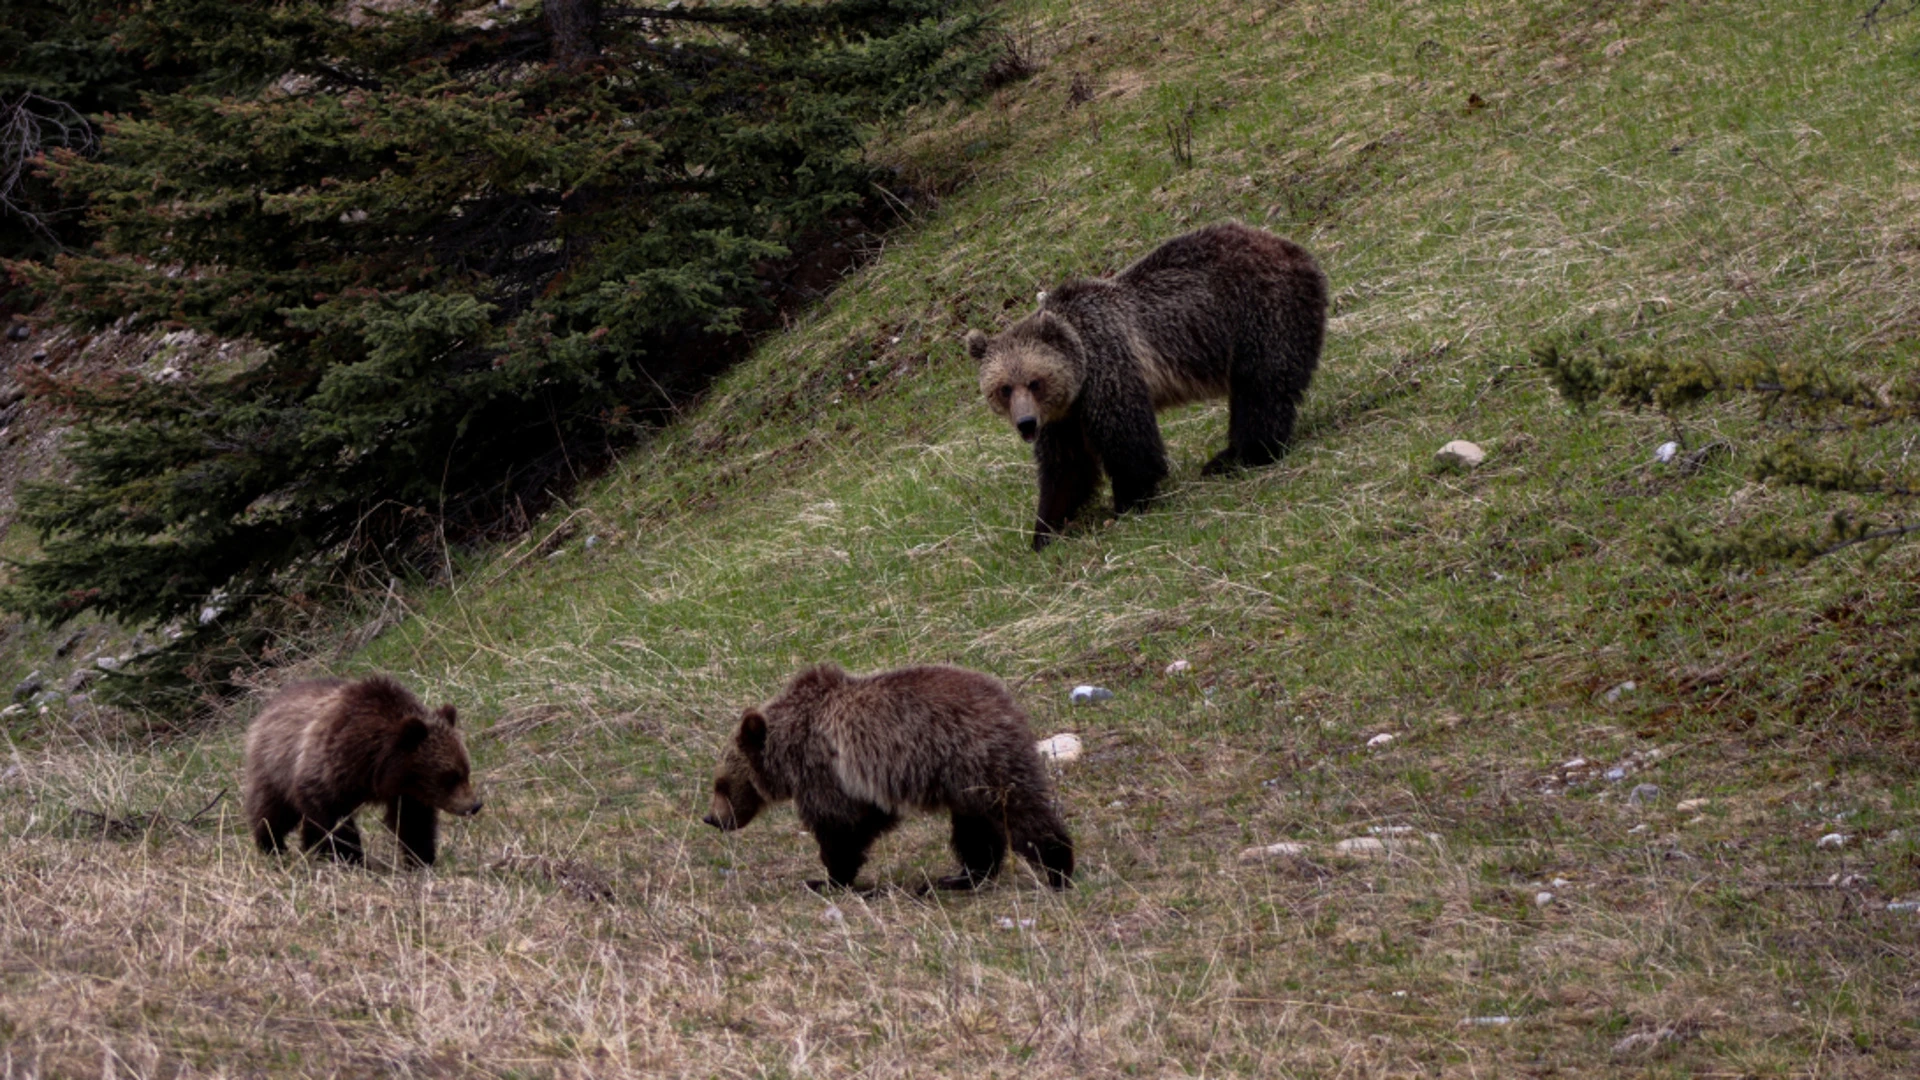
(464, 243)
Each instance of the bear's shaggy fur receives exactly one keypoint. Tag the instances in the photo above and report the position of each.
(1226, 309)
(855, 753)
(321, 749)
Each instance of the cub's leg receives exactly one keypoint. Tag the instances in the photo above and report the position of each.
(844, 843)
(340, 841)
(417, 825)
(981, 844)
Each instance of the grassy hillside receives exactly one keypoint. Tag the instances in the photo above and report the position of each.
(1713, 179)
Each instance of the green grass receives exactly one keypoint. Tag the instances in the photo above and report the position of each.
(1710, 178)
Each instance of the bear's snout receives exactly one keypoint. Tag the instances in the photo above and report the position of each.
(474, 809)
(714, 821)
(1028, 426)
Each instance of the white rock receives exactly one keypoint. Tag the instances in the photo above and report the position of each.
(1615, 694)
(1665, 452)
(1560, 883)
(1061, 748)
(1642, 1041)
(1390, 830)
(833, 916)
(1688, 806)
(1285, 849)
(1643, 794)
(1461, 453)
(1616, 773)
(1486, 1021)
(1083, 694)
(1640, 828)
(1575, 765)
(1832, 840)
(1117, 804)
(1364, 847)
(1904, 907)
(1382, 739)
(1178, 667)
(1005, 923)
(1542, 898)
(107, 663)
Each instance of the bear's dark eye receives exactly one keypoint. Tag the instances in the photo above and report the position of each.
(451, 778)
(1034, 386)
(1006, 391)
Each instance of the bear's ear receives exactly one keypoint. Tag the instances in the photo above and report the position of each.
(976, 345)
(752, 736)
(445, 712)
(412, 733)
(1053, 332)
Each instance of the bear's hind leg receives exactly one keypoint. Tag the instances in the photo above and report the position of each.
(844, 844)
(341, 841)
(981, 845)
(1263, 398)
(417, 824)
(272, 820)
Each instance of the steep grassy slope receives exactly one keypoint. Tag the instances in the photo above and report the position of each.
(1719, 179)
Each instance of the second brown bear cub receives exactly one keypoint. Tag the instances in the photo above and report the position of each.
(855, 753)
(1226, 309)
(321, 749)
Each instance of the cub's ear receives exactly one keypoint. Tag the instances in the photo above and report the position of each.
(412, 733)
(752, 736)
(445, 712)
(976, 345)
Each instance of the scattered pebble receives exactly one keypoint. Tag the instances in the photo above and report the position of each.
(1542, 898)
(1641, 1041)
(1847, 881)
(1561, 883)
(28, 687)
(1904, 907)
(1665, 452)
(1697, 819)
(833, 916)
(1640, 828)
(1285, 849)
(1178, 667)
(1380, 740)
(1365, 847)
(1117, 804)
(1688, 806)
(591, 542)
(1060, 748)
(1616, 774)
(1831, 840)
(1083, 694)
(1643, 794)
(1461, 454)
(107, 663)
(1390, 830)
(1486, 1021)
(1006, 923)
(1617, 692)
(1575, 765)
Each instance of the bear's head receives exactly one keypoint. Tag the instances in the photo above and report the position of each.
(428, 762)
(1031, 374)
(737, 797)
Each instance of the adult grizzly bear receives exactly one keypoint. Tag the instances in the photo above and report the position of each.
(321, 749)
(854, 753)
(1226, 309)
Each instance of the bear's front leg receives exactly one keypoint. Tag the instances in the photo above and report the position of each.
(1069, 473)
(417, 824)
(1126, 438)
(844, 844)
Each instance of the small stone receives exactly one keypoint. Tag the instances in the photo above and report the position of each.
(1363, 847)
(1831, 840)
(833, 916)
(1688, 806)
(1060, 748)
(1642, 1041)
(1085, 694)
(1285, 849)
(1637, 829)
(1643, 794)
(79, 679)
(1904, 907)
(1006, 923)
(107, 663)
(28, 687)
(1575, 765)
(1486, 1021)
(1460, 454)
(1178, 667)
(18, 332)
(1619, 691)
(1117, 804)
(1616, 774)
(1542, 898)
(1380, 740)
(591, 542)
(1665, 452)
(1390, 830)
(1560, 883)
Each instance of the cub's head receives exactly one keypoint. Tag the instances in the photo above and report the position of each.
(429, 763)
(1030, 374)
(736, 796)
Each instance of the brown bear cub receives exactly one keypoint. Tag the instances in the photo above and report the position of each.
(855, 753)
(1226, 309)
(321, 749)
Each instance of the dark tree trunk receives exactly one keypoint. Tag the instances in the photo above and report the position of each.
(573, 23)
